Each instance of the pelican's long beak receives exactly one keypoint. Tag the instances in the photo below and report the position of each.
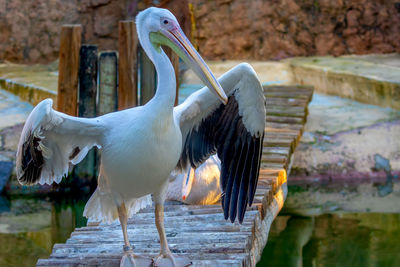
(187, 183)
(176, 39)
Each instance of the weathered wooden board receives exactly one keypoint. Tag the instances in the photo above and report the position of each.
(87, 104)
(200, 232)
(147, 81)
(108, 83)
(68, 66)
(127, 68)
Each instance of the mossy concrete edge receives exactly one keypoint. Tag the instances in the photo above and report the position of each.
(27, 92)
(346, 84)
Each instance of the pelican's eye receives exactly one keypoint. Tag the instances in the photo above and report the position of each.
(166, 23)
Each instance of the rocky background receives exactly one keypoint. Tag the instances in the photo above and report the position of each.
(276, 29)
(223, 29)
(29, 30)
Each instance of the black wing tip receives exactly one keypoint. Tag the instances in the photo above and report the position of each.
(31, 162)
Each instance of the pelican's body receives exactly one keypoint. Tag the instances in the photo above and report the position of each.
(140, 168)
(141, 146)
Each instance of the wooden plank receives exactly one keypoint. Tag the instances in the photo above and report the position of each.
(278, 142)
(289, 126)
(276, 150)
(293, 92)
(70, 43)
(282, 119)
(107, 259)
(127, 67)
(285, 101)
(288, 132)
(87, 104)
(117, 256)
(108, 86)
(285, 111)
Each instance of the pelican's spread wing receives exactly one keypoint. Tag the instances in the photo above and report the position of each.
(235, 131)
(50, 141)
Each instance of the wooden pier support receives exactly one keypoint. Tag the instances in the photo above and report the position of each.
(87, 81)
(87, 103)
(70, 43)
(147, 76)
(108, 83)
(127, 68)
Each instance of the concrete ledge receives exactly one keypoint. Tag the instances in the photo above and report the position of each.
(27, 92)
(372, 82)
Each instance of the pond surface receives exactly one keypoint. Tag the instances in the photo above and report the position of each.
(29, 228)
(336, 224)
(343, 239)
(323, 225)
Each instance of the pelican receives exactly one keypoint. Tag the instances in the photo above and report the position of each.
(141, 146)
(200, 186)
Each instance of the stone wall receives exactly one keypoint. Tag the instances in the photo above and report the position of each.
(275, 29)
(223, 29)
(29, 30)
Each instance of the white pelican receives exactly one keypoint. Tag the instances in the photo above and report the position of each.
(142, 145)
(200, 186)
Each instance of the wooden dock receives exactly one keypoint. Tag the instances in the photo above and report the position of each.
(200, 232)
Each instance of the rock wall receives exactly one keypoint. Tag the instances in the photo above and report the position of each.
(234, 29)
(275, 29)
(29, 30)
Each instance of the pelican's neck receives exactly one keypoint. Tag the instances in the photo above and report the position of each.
(164, 98)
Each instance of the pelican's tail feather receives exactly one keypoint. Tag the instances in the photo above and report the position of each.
(101, 207)
(137, 204)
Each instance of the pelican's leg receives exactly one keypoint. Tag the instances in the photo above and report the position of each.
(165, 252)
(159, 199)
(128, 258)
(164, 249)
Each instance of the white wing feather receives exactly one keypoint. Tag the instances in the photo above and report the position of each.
(62, 139)
(202, 103)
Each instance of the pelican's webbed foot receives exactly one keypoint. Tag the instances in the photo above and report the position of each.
(162, 259)
(167, 259)
(129, 259)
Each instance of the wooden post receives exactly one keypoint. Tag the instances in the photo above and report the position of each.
(127, 68)
(175, 63)
(87, 103)
(108, 64)
(87, 81)
(147, 76)
(70, 42)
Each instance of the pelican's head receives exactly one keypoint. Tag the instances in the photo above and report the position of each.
(162, 28)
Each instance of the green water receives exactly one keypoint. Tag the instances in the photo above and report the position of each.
(349, 239)
(29, 228)
(347, 225)
(336, 224)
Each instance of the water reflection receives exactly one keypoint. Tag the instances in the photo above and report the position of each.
(31, 227)
(348, 239)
